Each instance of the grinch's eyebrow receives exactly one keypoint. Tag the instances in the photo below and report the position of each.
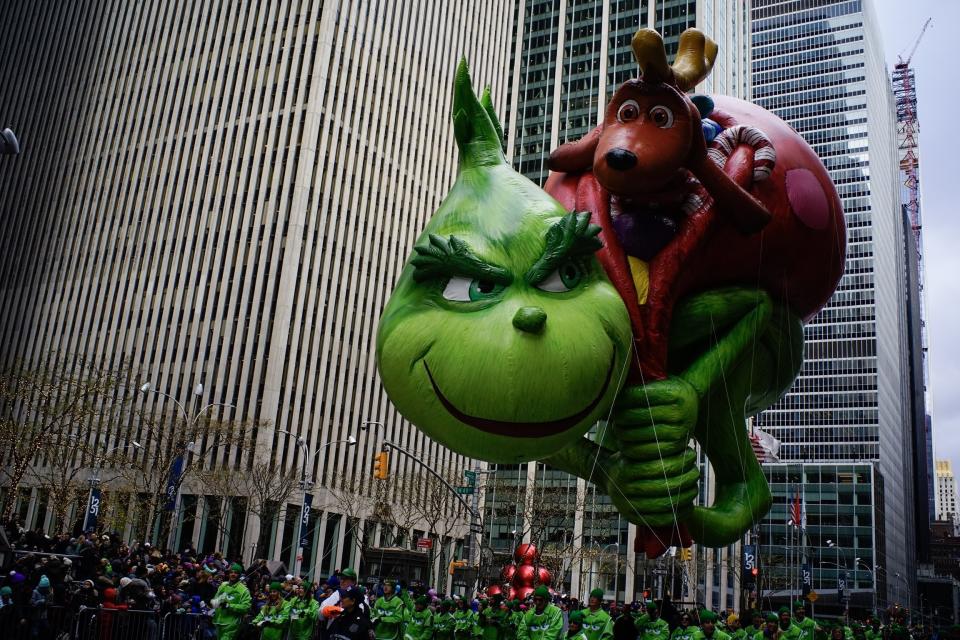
(571, 236)
(445, 258)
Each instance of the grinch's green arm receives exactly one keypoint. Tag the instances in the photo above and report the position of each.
(582, 459)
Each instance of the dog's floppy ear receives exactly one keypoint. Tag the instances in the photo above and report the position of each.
(573, 157)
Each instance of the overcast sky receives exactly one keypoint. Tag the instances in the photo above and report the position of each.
(937, 78)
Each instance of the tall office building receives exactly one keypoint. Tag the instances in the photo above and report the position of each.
(818, 64)
(569, 56)
(224, 193)
(946, 492)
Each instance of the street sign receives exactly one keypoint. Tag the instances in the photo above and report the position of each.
(465, 491)
(471, 477)
(812, 596)
(659, 572)
(424, 543)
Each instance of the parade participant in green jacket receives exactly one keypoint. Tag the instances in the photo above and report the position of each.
(232, 602)
(734, 629)
(575, 626)
(686, 630)
(389, 613)
(419, 621)
(788, 630)
(273, 616)
(493, 619)
(515, 619)
(464, 621)
(651, 626)
(874, 631)
(756, 625)
(771, 630)
(708, 628)
(543, 621)
(807, 626)
(303, 611)
(597, 624)
(443, 621)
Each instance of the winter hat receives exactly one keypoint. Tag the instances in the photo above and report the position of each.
(784, 610)
(576, 617)
(708, 616)
(541, 592)
(236, 566)
(772, 617)
(124, 581)
(276, 586)
(348, 573)
(732, 618)
(6, 591)
(44, 582)
(597, 593)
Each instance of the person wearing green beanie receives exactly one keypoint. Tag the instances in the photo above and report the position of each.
(708, 628)
(493, 618)
(597, 623)
(443, 621)
(389, 613)
(575, 626)
(771, 630)
(419, 621)
(464, 621)
(686, 630)
(651, 626)
(303, 610)
(756, 625)
(273, 616)
(543, 621)
(232, 602)
(873, 631)
(515, 619)
(788, 630)
(807, 626)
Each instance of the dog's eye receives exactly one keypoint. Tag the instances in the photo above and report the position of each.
(661, 116)
(628, 111)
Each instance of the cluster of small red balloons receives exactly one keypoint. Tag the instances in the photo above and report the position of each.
(522, 575)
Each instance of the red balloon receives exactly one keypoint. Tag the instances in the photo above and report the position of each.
(508, 572)
(524, 592)
(494, 590)
(526, 554)
(543, 575)
(524, 576)
(511, 593)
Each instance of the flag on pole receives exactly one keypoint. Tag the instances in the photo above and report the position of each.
(796, 511)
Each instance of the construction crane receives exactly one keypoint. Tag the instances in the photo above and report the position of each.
(916, 43)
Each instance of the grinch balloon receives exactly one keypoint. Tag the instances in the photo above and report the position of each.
(658, 293)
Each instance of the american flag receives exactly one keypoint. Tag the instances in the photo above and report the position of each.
(797, 515)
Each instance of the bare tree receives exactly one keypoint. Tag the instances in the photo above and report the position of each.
(45, 406)
(443, 515)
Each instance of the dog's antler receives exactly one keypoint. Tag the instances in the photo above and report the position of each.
(696, 54)
(651, 56)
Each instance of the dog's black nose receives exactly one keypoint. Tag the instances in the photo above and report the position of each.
(621, 159)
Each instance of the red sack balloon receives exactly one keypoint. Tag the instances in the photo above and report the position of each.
(524, 592)
(526, 554)
(511, 593)
(494, 590)
(525, 576)
(508, 572)
(543, 575)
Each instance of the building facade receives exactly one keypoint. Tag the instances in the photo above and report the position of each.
(818, 65)
(946, 492)
(224, 193)
(568, 58)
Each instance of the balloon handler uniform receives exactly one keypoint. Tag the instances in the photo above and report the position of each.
(494, 620)
(708, 630)
(663, 283)
(303, 614)
(808, 626)
(575, 627)
(273, 618)
(232, 601)
(443, 622)
(419, 622)
(389, 614)
(546, 625)
(597, 625)
(650, 628)
(464, 623)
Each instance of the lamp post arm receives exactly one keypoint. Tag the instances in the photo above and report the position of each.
(183, 410)
(390, 445)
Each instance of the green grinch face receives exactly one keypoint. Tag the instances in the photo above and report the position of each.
(504, 340)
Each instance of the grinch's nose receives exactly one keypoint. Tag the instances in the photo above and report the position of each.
(530, 319)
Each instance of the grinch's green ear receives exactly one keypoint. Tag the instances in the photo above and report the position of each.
(475, 125)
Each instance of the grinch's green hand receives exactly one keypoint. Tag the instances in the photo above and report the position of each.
(653, 478)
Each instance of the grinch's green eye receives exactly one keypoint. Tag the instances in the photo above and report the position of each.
(460, 289)
(564, 278)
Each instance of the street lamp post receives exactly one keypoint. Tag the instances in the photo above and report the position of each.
(616, 565)
(305, 486)
(93, 497)
(175, 484)
(906, 585)
(873, 580)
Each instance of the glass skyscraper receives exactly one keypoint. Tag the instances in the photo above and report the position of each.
(818, 64)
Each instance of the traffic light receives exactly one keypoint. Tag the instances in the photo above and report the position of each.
(686, 555)
(456, 564)
(381, 467)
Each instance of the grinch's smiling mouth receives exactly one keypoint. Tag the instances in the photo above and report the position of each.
(523, 429)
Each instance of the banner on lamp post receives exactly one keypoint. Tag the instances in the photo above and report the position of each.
(175, 471)
(93, 510)
(305, 519)
(807, 579)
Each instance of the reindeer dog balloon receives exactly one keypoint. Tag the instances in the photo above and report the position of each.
(660, 297)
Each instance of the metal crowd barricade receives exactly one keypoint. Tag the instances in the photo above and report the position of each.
(187, 626)
(26, 623)
(116, 624)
